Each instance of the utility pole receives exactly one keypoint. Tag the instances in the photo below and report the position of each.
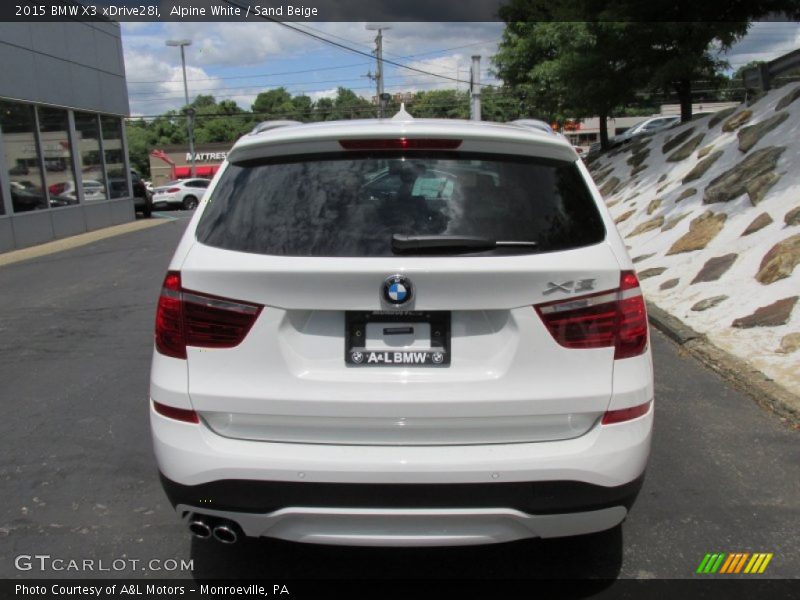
(378, 77)
(189, 111)
(475, 89)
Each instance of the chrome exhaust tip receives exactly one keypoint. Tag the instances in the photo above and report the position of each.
(225, 534)
(200, 529)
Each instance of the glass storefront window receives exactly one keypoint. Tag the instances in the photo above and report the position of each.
(22, 157)
(54, 140)
(115, 158)
(87, 131)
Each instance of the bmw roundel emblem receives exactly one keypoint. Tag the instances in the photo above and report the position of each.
(397, 289)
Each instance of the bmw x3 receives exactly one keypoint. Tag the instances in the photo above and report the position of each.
(401, 332)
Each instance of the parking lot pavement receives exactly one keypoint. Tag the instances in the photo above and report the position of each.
(79, 479)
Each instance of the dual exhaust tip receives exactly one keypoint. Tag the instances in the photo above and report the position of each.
(222, 530)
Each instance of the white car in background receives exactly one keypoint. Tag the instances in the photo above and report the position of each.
(183, 193)
(401, 332)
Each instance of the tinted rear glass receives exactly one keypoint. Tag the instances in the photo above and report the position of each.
(352, 204)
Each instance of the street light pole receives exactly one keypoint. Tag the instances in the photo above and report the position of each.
(189, 111)
(379, 67)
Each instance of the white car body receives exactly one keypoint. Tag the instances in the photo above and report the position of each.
(181, 193)
(518, 437)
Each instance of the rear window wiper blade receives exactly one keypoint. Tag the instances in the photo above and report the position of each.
(411, 243)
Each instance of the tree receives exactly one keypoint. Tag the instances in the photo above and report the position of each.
(567, 67)
(274, 104)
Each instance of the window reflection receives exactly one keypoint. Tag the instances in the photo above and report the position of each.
(54, 139)
(115, 159)
(87, 130)
(22, 157)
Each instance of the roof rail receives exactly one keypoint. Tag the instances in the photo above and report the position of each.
(267, 125)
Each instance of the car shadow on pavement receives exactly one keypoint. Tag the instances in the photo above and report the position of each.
(597, 557)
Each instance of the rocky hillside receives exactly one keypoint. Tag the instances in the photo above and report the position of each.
(710, 211)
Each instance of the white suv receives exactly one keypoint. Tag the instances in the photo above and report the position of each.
(401, 332)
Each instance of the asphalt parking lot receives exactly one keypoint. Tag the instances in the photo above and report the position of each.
(79, 479)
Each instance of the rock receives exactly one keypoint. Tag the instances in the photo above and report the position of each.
(708, 303)
(737, 121)
(662, 178)
(704, 151)
(662, 188)
(639, 157)
(676, 140)
(700, 168)
(791, 341)
(749, 136)
(669, 284)
(613, 203)
(602, 174)
(733, 183)
(718, 116)
(759, 222)
(772, 315)
(687, 149)
(757, 188)
(715, 268)
(647, 226)
(793, 216)
(639, 259)
(702, 230)
(670, 224)
(653, 206)
(609, 186)
(652, 272)
(636, 170)
(788, 99)
(780, 261)
(624, 216)
(685, 194)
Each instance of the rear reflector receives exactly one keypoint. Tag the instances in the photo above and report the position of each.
(625, 414)
(187, 318)
(615, 318)
(179, 414)
(400, 144)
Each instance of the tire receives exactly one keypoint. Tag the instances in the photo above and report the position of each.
(147, 211)
(190, 203)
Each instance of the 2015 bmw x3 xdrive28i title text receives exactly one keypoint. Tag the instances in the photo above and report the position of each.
(401, 332)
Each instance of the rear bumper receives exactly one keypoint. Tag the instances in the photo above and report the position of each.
(406, 515)
(405, 495)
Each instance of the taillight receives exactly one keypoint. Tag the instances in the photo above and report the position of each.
(173, 190)
(187, 318)
(400, 144)
(615, 318)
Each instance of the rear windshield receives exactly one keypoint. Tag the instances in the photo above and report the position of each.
(351, 204)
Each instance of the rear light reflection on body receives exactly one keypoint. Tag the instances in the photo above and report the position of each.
(187, 318)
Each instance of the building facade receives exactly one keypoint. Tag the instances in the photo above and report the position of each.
(63, 154)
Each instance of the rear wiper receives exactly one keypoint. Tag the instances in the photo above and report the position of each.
(410, 243)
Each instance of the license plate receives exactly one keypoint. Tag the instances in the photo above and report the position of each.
(397, 339)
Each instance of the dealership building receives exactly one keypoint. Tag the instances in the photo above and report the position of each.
(168, 163)
(63, 154)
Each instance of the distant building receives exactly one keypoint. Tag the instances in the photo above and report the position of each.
(63, 154)
(168, 163)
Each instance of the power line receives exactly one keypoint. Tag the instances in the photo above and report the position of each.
(349, 49)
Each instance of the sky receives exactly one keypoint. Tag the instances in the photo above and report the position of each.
(236, 61)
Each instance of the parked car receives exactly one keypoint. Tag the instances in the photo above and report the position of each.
(649, 126)
(182, 193)
(401, 332)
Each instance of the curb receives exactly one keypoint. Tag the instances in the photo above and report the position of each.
(75, 241)
(766, 393)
